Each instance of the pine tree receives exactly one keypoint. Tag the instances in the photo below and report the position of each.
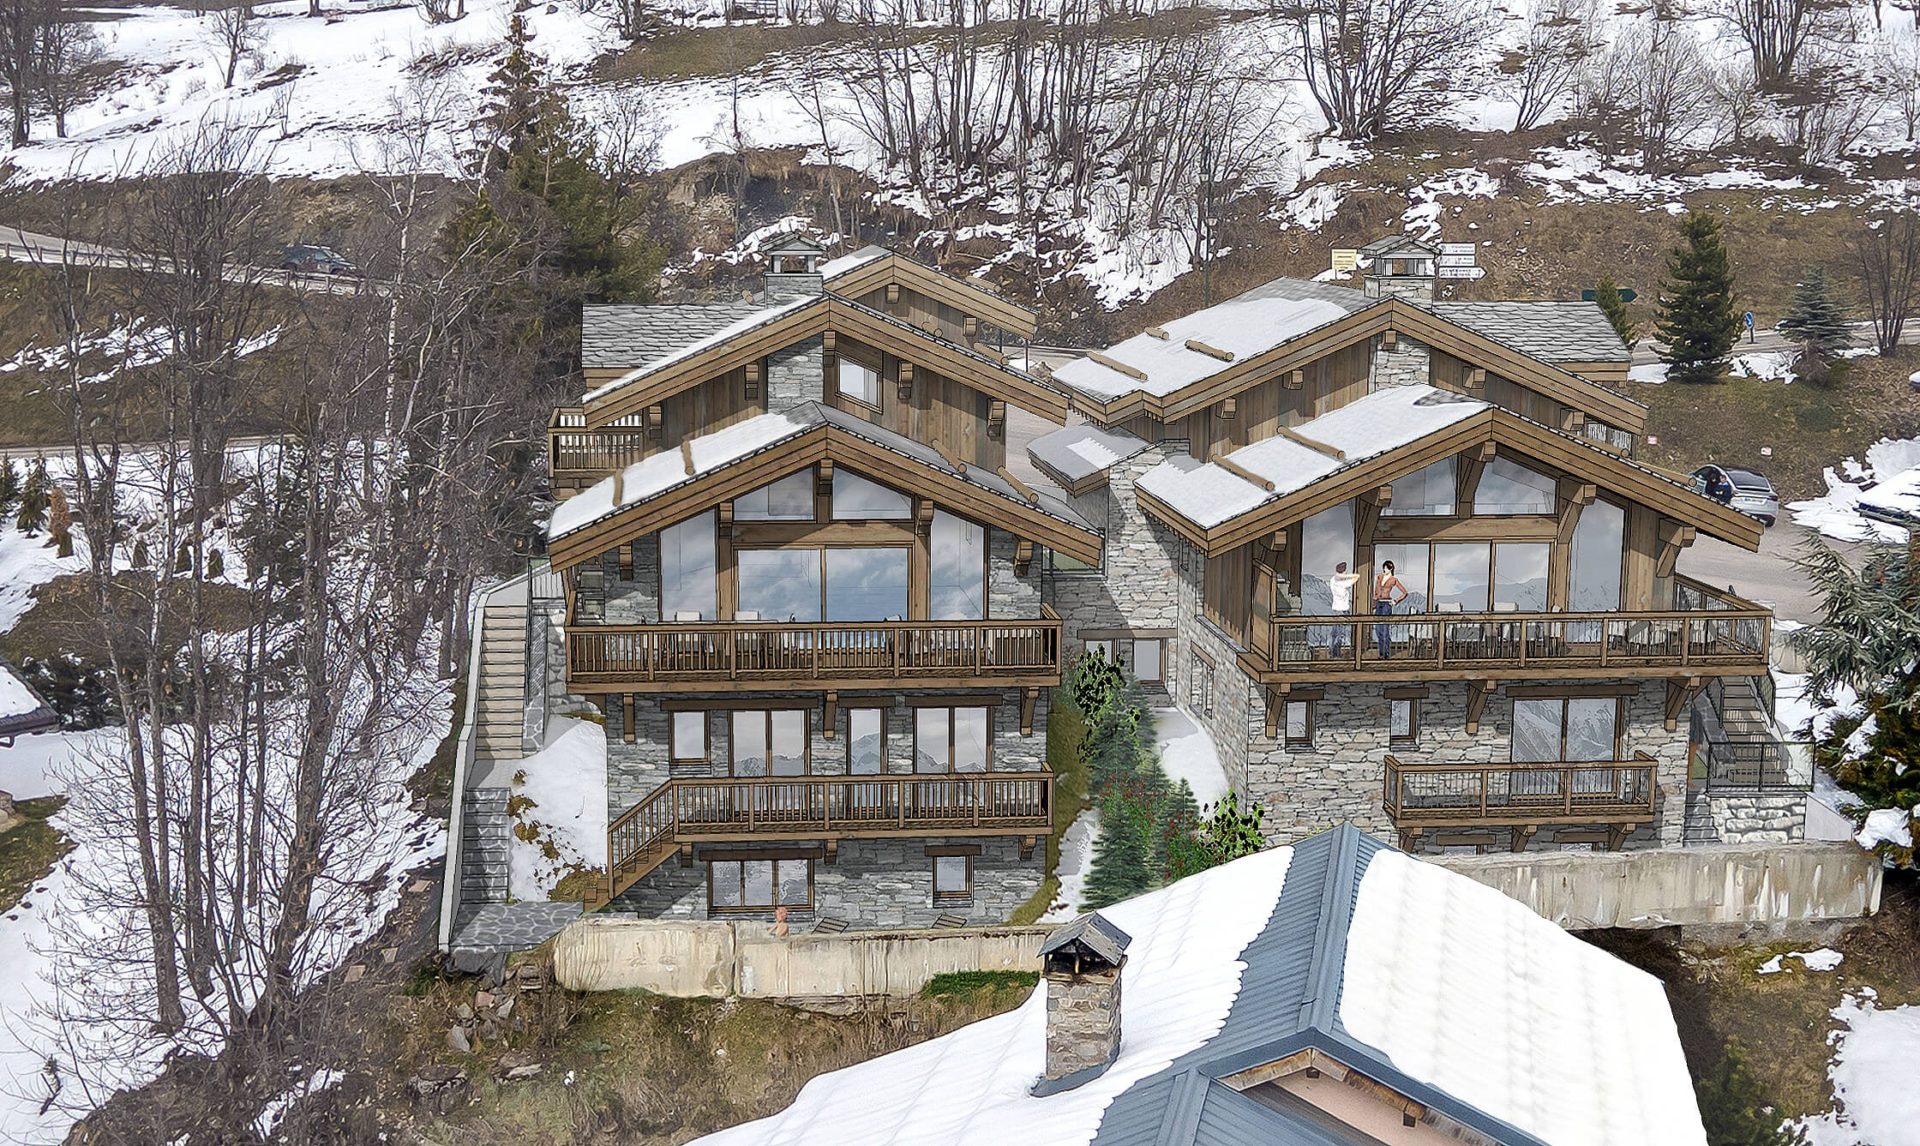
(1607, 295)
(60, 521)
(1696, 318)
(1817, 324)
(9, 487)
(216, 565)
(33, 501)
(1734, 1106)
(1123, 851)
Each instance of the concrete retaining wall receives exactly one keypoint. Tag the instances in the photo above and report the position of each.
(702, 959)
(1737, 884)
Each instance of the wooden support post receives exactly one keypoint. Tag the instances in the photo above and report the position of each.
(1477, 693)
(656, 420)
(686, 855)
(1673, 538)
(1680, 693)
(1523, 833)
(1389, 340)
(627, 732)
(823, 491)
(1294, 379)
(1028, 700)
(1276, 704)
(1027, 844)
(753, 381)
(831, 717)
(833, 851)
(996, 419)
(1229, 408)
(829, 364)
(1573, 421)
(1368, 507)
(627, 551)
(1468, 468)
(1477, 378)
(893, 294)
(906, 382)
(1617, 835)
(1022, 557)
(969, 326)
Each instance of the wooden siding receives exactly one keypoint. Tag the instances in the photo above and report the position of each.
(938, 410)
(962, 296)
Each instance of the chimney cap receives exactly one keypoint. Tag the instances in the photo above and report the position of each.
(1400, 246)
(1091, 940)
(794, 243)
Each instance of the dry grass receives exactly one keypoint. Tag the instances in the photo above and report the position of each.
(29, 850)
(1065, 729)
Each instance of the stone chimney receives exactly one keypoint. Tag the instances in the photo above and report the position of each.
(1400, 266)
(1081, 964)
(793, 267)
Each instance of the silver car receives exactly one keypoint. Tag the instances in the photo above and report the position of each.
(1748, 491)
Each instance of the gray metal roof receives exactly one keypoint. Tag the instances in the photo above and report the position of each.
(1551, 331)
(629, 337)
(1386, 243)
(1075, 453)
(1092, 934)
(1289, 1001)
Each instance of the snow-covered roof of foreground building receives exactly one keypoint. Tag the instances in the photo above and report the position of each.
(834, 268)
(1445, 992)
(1253, 323)
(1208, 494)
(1078, 457)
(1895, 500)
(21, 709)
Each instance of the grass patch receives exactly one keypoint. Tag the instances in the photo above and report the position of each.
(972, 984)
(694, 53)
(29, 851)
(1066, 727)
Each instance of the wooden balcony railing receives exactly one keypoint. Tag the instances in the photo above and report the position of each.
(687, 656)
(577, 457)
(683, 811)
(1512, 795)
(1718, 635)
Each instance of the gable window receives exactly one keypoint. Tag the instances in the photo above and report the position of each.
(1508, 488)
(689, 741)
(759, 884)
(687, 570)
(789, 499)
(1574, 728)
(857, 499)
(1426, 492)
(859, 382)
(952, 874)
(866, 741)
(1299, 730)
(957, 579)
(769, 742)
(1471, 577)
(951, 739)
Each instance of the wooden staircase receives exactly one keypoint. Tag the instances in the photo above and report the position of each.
(639, 841)
(500, 714)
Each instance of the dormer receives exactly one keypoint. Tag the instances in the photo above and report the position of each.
(1399, 266)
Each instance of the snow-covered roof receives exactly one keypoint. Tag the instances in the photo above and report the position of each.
(1895, 499)
(21, 709)
(1076, 453)
(1244, 326)
(1552, 331)
(1416, 977)
(650, 338)
(652, 476)
(1365, 428)
(833, 268)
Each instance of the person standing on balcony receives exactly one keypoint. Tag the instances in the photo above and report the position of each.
(1385, 584)
(1342, 585)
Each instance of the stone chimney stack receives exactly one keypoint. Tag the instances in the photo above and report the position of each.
(1400, 266)
(1081, 964)
(793, 268)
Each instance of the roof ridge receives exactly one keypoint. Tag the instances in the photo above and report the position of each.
(1327, 962)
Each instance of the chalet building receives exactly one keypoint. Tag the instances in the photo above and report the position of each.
(821, 616)
(808, 596)
(1547, 676)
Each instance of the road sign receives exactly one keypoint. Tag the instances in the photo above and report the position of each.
(1345, 259)
(1456, 260)
(1447, 272)
(1627, 294)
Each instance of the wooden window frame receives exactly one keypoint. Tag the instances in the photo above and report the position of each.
(845, 353)
(766, 712)
(771, 858)
(706, 737)
(1306, 738)
(882, 710)
(1564, 696)
(949, 705)
(968, 852)
(1412, 735)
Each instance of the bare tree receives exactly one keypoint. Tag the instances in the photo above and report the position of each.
(1886, 252)
(67, 49)
(234, 35)
(20, 28)
(1544, 70)
(1830, 105)
(1776, 32)
(1374, 65)
(1651, 92)
(1897, 59)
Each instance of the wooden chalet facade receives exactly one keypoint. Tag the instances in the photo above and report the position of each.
(806, 593)
(1545, 675)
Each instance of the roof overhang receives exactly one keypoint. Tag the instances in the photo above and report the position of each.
(644, 387)
(968, 296)
(1401, 317)
(991, 499)
(1569, 455)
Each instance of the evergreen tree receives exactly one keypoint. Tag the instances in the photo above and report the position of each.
(1817, 324)
(1123, 851)
(1607, 295)
(59, 521)
(216, 565)
(9, 487)
(1696, 318)
(1734, 1107)
(33, 501)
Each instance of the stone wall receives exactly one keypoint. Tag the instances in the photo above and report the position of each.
(1010, 595)
(1083, 1021)
(1407, 363)
(1137, 586)
(1759, 817)
(796, 375)
(634, 600)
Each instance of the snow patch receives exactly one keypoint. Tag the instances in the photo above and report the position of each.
(1892, 826)
(1874, 1100)
(1076, 860)
(1187, 752)
(564, 827)
(1887, 482)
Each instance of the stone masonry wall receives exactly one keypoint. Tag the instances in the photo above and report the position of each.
(1408, 363)
(1759, 817)
(795, 375)
(634, 600)
(1083, 1020)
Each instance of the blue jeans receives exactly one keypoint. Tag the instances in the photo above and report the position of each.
(1382, 634)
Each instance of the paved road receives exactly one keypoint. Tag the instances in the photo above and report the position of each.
(56, 450)
(47, 250)
(1647, 350)
(1767, 577)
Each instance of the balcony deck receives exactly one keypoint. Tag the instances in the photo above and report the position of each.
(577, 457)
(1616, 794)
(684, 811)
(769, 656)
(1715, 634)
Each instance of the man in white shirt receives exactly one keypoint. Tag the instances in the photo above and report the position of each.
(1341, 585)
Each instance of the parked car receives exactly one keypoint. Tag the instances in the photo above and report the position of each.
(1748, 491)
(313, 260)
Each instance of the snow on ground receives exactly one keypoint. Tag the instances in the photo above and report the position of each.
(1823, 959)
(1076, 860)
(1652, 373)
(31, 768)
(1889, 479)
(1770, 365)
(1188, 753)
(560, 801)
(1888, 826)
(25, 564)
(1875, 1101)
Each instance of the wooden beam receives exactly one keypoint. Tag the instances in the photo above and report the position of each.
(1477, 693)
(1228, 407)
(996, 419)
(823, 479)
(1477, 378)
(656, 420)
(753, 381)
(969, 326)
(1367, 512)
(1028, 700)
(893, 294)
(1389, 339)
(1300, 439)
(1159, 332)
(1022, 557)
(1209, 350)
(1673, 538)
(1242, 472)
(906, 382)
(830, 716)
(1019, 487)
(1573, 421)
(627, 732)
(1133, 372)
(1680, 693)
(1294, 379)
(686, 455)
(1275, 698)
(959, 466)
(1468, 467)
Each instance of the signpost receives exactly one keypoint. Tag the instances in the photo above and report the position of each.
(1748, 319)
(1468, 272)
(1457, 261)
(1627, 294)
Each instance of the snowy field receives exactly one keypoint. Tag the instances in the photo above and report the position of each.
(1889, 479)
(1875, 1101)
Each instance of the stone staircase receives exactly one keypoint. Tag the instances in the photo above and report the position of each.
(483, 846)
(500, 714)
(1699, 827)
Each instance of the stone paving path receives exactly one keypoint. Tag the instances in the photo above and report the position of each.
(497, 927)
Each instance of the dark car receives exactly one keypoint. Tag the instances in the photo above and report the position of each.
(312, 260)
(1748, 491)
